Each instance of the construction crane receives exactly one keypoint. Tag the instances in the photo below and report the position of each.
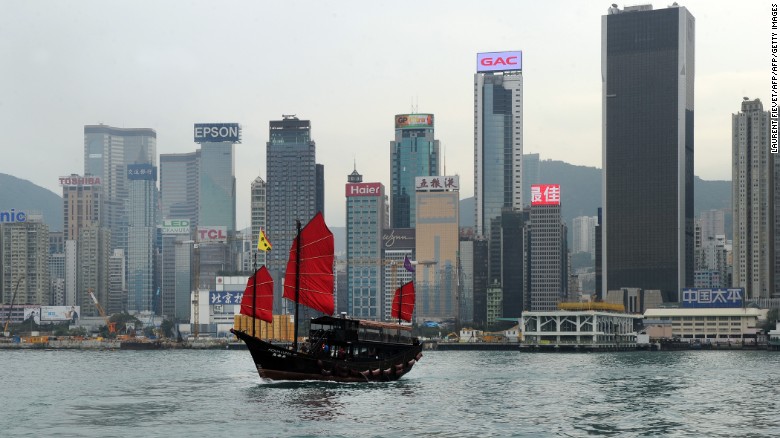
(111, 325)
(13, 297)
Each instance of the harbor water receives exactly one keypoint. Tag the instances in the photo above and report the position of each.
(211, 393)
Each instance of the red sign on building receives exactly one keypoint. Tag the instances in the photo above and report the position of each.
(545, 194)
(363, 189)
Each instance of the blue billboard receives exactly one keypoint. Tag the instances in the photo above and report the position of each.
(217, 133)
(145, 172)
(225, 297)
(724, 298)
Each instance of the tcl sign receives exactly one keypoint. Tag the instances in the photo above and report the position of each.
(364, 189)
(212, 234)
(499, 61)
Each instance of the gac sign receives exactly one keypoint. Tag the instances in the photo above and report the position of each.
(500, 61)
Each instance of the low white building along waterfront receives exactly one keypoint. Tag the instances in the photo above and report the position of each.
(587, 326)
(711, 316)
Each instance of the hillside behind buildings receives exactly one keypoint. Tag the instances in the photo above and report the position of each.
(580, 196)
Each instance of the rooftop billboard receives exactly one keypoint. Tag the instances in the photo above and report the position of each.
(413, 121)
(398, 238)
(176, 226)
(363, 189)
(698, 297)
(545, 194)
(217, 133)
(436, 183)
(76, 180)
(141, 172)
(500, 61)
(12, 216)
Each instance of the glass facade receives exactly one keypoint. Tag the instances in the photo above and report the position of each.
(142, 232)
(414, 152)
(179, 186)
(366, 218)
(648, 71)
(217, 188)
(437, 245)
(498, 146)
(291, 192)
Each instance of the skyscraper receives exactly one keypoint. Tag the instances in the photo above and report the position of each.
(366, 218)
(549, 277)
(413, 153)
(437, 243)
(24, 260)
(291, 190)
(753, 198)
(142, 228)
(107, 152)
(258, 218)
(647, 62)
(217, 176)
(498, 137)
(584, 235)
(179, 186)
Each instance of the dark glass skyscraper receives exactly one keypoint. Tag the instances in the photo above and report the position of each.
(647, 62)
(413, 153)
(292, 191)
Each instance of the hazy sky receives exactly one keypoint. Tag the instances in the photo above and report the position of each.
(348, 66)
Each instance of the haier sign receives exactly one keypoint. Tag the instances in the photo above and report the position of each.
(500, 61)
(217, 133)
(364, 189)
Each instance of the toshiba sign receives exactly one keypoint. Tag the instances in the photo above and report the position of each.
(364, 189)
(500, 61)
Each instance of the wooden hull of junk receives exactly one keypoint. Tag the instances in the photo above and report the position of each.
(278, 363)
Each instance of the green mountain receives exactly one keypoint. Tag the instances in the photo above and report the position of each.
(22, 195)
(581, 193)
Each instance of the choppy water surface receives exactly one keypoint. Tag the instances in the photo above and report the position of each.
(448, 394)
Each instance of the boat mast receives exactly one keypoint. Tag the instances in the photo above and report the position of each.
(297, 281)
(254, 293)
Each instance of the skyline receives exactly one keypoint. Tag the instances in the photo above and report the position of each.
(68, 66)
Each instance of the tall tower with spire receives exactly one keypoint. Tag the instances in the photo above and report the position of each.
(367, 216)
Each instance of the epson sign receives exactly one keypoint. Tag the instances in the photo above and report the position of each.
(500, 61)
(217, 133)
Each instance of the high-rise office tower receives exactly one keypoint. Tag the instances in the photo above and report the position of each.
(549, 276)
(117, 287)
(107, 152)
(437, 243)
(414, 152)
(179, 186)
(498, 137)
(82, 201)
(142, 230)
(291, 191)
(366, 218)
(24, 259)
(531, 175)
(93, 249)
(258, 217)
(713, 223)
(647, 62)
(753, 198)
(397, 245)
(217, 175)
(584, 235)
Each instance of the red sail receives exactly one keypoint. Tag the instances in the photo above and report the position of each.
(403, 302)
(316, 270)
(264, 298)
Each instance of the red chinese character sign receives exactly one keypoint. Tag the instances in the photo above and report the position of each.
(545, 194)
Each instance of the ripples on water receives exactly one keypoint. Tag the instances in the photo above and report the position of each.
(448, 394)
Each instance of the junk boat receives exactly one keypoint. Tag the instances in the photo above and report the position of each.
(338, 349)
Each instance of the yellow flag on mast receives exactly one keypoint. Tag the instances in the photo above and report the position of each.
(262, 242)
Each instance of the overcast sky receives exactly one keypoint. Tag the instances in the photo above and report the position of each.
(348, 66)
